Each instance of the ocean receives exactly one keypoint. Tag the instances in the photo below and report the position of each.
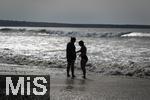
(110, 51)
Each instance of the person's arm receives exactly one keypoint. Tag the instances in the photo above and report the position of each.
(78, 51)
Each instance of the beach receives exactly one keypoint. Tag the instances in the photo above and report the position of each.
(95, 87)
(118, 67)
(74, 50)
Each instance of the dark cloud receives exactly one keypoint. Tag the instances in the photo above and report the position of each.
(77, 11)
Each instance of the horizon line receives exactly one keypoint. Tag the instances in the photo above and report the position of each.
(72, 23)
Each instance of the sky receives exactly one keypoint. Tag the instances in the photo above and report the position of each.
(77, 11)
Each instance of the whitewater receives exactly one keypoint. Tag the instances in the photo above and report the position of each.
(110, 51)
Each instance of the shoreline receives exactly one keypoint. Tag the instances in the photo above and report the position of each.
(95, 87)
(13, 69)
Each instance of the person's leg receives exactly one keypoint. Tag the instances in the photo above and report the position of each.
(68, 68)
(72, 68)
(83, 64)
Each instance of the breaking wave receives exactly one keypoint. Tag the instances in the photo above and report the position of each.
(136, 34)
(71, 33)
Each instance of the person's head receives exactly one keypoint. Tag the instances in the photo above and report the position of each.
(81, 43)
(73, 39)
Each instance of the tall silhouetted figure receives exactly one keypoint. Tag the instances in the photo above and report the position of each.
(84, 57)
(71, 56)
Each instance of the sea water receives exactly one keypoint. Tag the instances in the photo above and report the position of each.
(110, 50)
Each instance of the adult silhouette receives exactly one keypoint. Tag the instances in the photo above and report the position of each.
(84, 57)
(71, 56)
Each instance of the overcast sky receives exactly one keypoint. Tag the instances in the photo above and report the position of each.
(77, 11)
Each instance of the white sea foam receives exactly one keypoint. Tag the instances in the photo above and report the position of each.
(136, 34)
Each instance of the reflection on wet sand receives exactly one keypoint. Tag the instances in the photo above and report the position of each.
(76, 84)
(69, 84)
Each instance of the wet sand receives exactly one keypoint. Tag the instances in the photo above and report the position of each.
(95, 87)
(100, 88)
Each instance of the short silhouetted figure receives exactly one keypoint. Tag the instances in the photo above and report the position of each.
(71, 56)
(84, 57)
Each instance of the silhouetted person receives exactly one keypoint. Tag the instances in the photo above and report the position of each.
(71, 56)
(84, 57)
